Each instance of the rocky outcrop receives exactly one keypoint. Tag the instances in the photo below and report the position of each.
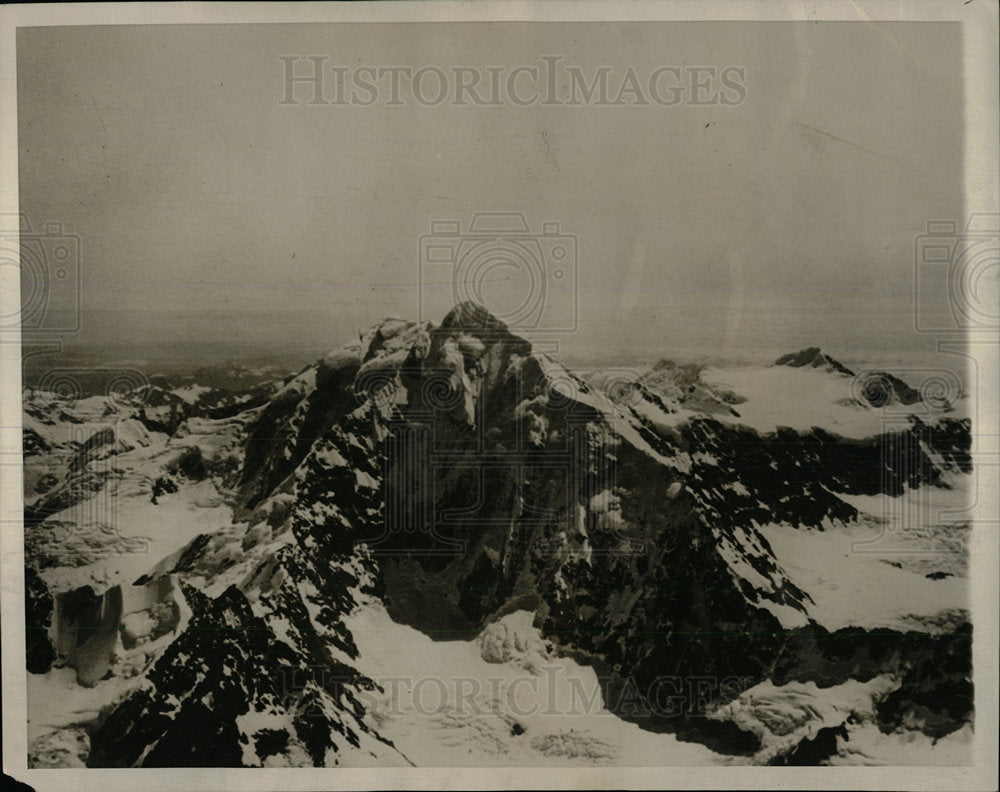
(37, 621)
(873, 388)
(681, 384)
(229, 693)
(89, 629)
(814, 358)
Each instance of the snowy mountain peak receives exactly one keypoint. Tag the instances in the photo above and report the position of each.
(471, 316)
(815, 358)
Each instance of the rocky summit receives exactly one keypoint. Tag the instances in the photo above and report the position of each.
(732, 559)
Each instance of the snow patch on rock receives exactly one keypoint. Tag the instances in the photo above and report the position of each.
(514, 639)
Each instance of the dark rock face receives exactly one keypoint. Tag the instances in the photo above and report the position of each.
(936, 693)
(812, 356)
(457, 475)
(875, 388)
(38, 619)
(880, 388)
(86, 630)
(33, 443)
(282, 437)
(227, 665)
(215, 666)
(814, 750)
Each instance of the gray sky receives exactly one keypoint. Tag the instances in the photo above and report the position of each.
(208, 211)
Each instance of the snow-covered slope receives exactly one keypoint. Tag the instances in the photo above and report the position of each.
(504, 698)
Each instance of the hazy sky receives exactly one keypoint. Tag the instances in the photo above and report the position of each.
(208, 211)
